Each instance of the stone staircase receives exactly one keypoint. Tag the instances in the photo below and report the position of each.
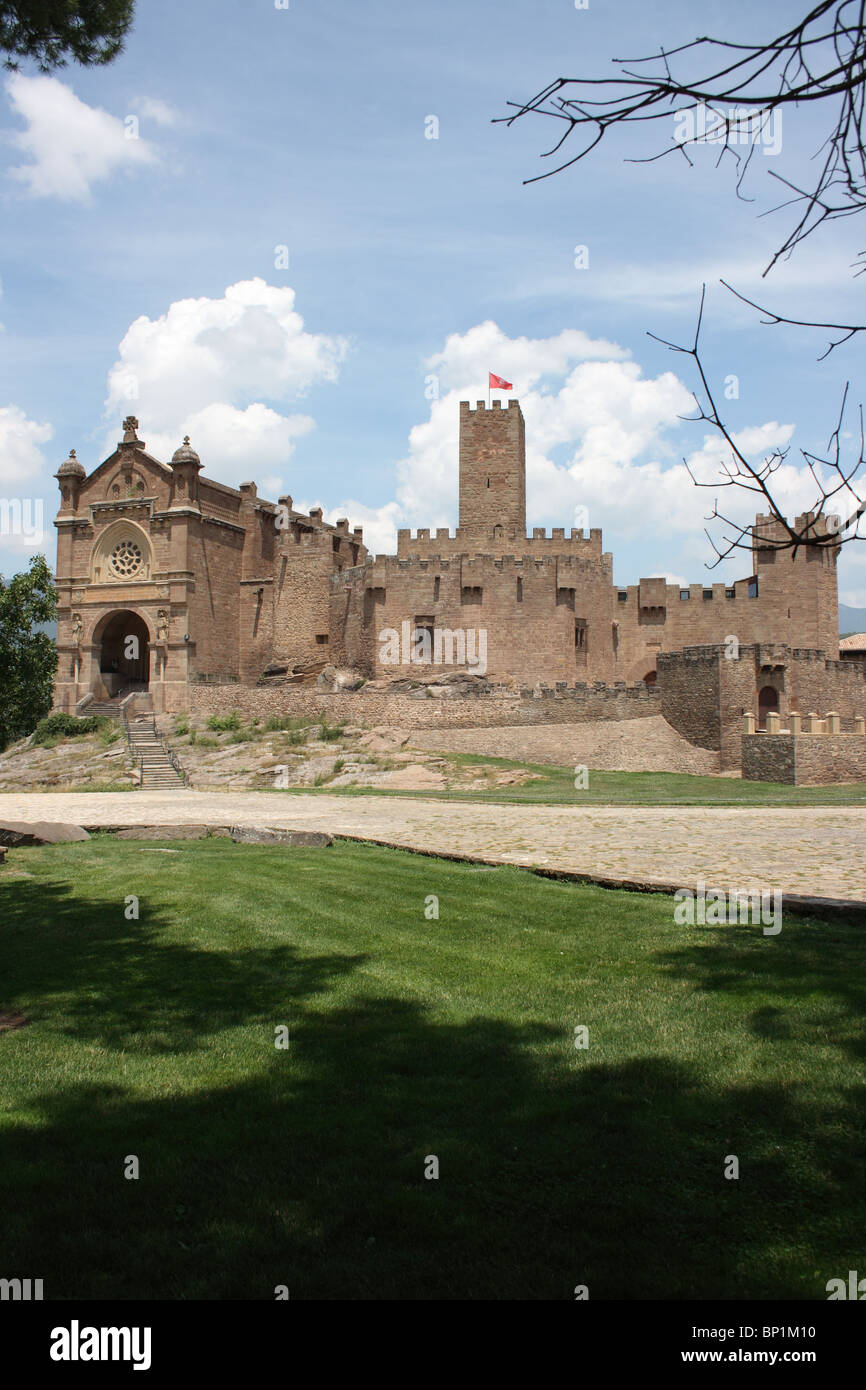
(108, 708)
(158, 772)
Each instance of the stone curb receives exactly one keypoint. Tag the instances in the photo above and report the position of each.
(836, 909)
(239, 834)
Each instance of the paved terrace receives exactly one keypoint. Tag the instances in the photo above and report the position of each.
(810, 851)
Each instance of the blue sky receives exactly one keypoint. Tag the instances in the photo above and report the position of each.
(144, 274)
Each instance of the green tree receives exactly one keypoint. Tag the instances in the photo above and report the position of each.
(28, 659)
(51, 32)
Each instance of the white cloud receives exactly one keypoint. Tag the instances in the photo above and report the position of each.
(600, 436)
(467, 357)
(25, 514)
(209, 367)
(69, 145)
(21, 459)
(152, 109)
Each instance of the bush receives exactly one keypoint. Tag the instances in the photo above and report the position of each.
(57, 726)
(222, 723)
(280, 723)
(204, 742)
(181, 727)
(329, 733)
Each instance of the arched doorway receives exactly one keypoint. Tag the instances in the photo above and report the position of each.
(768, 703)
(124, 658)
(650, 678)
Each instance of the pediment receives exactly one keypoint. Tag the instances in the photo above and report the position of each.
(127, 473)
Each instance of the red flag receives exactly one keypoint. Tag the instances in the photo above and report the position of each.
(497, 384)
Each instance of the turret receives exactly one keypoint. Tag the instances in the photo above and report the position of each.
(185, 466)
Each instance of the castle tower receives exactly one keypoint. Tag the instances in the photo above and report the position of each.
(492, 471)
(799, 590)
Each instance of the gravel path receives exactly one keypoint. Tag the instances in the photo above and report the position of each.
(812, 850)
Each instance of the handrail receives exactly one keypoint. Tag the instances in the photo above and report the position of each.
(173, 759)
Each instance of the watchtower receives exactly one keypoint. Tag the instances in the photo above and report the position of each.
(492, 470)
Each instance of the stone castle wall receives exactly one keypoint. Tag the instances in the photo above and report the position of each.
(804, 760)
(370, 708)
(705, 690)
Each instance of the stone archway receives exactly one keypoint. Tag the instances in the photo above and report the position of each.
(768, 703)
(651, 677)
(122, 643)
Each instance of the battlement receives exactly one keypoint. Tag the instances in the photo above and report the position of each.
(480, 407)
(580, 689)
(588, 560)
(763, 653)
(657, 593)
(768, 532)
(497, 541)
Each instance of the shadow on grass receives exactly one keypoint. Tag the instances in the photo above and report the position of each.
(555, 1170)
(818, 966)
(121, 984)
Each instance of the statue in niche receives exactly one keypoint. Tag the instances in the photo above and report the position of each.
(162, 626)
(77, 629)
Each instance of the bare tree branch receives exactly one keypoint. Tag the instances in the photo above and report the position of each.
(848, 330)
(834, 479)
(820, 59)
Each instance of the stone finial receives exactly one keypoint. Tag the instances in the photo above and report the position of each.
(773, 722)
(748, 722)
(859, 724)
(832, 723)
(795, 722)
(130, 428)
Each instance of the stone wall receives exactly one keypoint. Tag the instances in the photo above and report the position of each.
(369, 708)
(543, 619)
(705, 690)
(804, 760)
(689, 687)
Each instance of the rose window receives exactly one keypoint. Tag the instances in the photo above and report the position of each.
(126, 559)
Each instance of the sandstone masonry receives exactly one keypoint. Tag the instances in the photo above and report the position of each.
(198, 595)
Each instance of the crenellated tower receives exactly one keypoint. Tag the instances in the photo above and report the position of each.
(492, 472)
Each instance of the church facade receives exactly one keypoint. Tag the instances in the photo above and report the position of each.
(168, 579)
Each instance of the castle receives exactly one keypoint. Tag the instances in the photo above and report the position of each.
(169, 580)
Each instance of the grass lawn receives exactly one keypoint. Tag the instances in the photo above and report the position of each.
(412, 1037)
(555, 786)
